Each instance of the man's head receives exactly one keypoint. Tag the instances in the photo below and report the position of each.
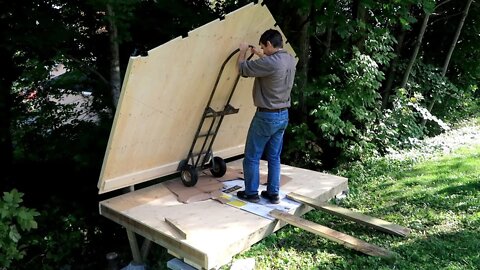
(271, 41)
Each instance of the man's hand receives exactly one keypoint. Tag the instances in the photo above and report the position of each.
(243, 46)
(258, 52)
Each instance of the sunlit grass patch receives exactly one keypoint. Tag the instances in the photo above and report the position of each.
(438, 198)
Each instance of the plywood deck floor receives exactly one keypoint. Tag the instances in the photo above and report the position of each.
(214, 232)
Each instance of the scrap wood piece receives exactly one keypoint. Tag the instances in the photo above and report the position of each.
(336, 236)
(174, 224)
(373, 222)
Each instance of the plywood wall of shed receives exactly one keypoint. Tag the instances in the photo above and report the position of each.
(165, 93)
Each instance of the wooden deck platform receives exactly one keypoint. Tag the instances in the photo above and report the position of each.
(208, 234)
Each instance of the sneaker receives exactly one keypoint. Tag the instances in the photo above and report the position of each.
(250, 198)
(273, 198)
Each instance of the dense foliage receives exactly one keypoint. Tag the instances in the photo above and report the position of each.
(15, 220)
(348, 103)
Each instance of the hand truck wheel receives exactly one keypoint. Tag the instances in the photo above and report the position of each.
(218, 167)
(189, 176)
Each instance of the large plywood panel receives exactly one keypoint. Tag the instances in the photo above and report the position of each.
(165, 93)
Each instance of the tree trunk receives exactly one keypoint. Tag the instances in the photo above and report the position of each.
(359, 14)
(115, 77)
(303, 55)
(450, 51)
(392, 69)
(415, 51)
(6, 147)
(455, 39)
(328, 43)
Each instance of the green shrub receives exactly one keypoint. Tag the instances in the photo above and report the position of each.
(14, 220)
(343, 106)
(399, 127)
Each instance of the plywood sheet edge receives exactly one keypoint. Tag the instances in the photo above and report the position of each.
(126, 180)
(101, 183)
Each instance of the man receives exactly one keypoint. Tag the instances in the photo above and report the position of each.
(274, 72)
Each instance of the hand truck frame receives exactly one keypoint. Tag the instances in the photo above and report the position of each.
(205, 159)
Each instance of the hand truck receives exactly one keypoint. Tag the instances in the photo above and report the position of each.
(204, 159)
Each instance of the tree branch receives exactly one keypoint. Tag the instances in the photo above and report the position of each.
(88, 68)
(445, 18)
(442, 3)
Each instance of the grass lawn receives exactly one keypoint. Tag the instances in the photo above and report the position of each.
(439, 199)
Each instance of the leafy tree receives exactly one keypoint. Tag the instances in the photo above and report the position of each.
(452, 47)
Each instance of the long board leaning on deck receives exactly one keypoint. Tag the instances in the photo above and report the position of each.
(369, 221)
(336, 236)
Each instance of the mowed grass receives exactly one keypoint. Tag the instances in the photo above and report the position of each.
(439, 199)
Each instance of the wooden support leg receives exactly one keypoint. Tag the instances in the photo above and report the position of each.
(132, 239)
(145, 248)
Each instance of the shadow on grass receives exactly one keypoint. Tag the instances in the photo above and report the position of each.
(452, 250)
(467, 188)
(450, 185)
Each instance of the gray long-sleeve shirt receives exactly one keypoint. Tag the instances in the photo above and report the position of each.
(274, 75)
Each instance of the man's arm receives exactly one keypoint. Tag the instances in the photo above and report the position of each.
(260, 67)
(242, 55)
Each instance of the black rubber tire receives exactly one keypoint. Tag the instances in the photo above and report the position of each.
(189, 176)
(218, 167)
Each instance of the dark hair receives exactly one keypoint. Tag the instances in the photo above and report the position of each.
(273, 36)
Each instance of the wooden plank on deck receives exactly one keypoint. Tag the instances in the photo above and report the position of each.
(176, 227)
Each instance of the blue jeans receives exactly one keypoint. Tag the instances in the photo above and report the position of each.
(265, 136)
